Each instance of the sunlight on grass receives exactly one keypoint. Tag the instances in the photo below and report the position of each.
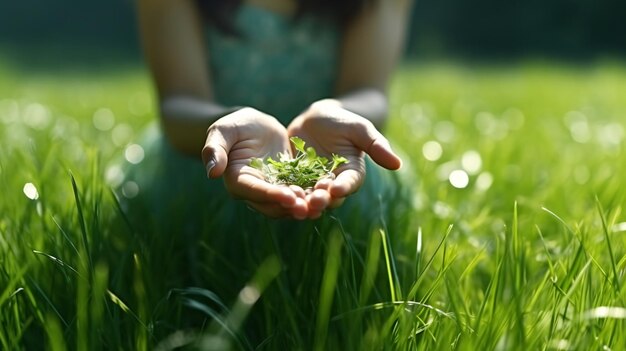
(517, 244)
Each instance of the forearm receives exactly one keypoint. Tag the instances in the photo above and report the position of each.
(185, 121)
(372, 45)
(369, 103)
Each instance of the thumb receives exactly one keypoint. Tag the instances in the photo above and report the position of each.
(218, 143)
(370, 140)
(380, 151)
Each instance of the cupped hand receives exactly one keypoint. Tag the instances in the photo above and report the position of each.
(232, 141)
(331, 129)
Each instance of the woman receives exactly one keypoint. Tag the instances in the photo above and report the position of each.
(235, 80)
(255, 73)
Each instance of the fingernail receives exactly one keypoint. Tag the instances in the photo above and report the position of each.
(209, 166)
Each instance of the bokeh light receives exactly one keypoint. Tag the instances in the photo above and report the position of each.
(30, 191)
(37, 116)
(122, 134)
(459, 179)
(484, 181)
(578, 126)
(471, 162)
(432, 150)
(114, 176)
(130, 189)
(103, 119)
(134, 154)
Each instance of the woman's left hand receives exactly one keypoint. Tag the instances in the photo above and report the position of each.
(331, 129)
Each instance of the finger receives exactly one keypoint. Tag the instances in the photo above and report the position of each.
(323, 184)
(218, 143)
(346, 183)
(367, 138)
(275, 210)
(318, 200)
(300, 209)
(252, 188)
(298, 191)
(380, 151)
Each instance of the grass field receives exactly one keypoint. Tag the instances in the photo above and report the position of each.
(518, 242)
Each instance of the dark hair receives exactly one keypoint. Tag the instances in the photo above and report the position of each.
(220, 12)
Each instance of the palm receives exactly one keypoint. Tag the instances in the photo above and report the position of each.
(323, 135)
(255, 141)
(232, 142)
(338, 131)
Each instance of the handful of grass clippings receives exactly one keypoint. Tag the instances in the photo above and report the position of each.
(304, 170)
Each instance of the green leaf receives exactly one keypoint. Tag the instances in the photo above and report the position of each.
(256, 163)
(298, 143)
(310, 153)
(276, 164)
(304, 170)
(338, 161)
(283, 157)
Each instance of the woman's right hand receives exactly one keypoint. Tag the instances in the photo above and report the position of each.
(232, 141)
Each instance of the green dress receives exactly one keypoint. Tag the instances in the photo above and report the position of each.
(279, 66)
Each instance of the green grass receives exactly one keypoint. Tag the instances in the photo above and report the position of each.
(526, 252)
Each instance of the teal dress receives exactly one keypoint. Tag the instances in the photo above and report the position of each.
(278, 66)
(193, 233)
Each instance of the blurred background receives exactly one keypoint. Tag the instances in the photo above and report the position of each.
(71, 31)
(500, 105)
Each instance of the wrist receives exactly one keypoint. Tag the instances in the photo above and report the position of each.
(369, 103)
(185, 119)
(325, 107)
(188, 108)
